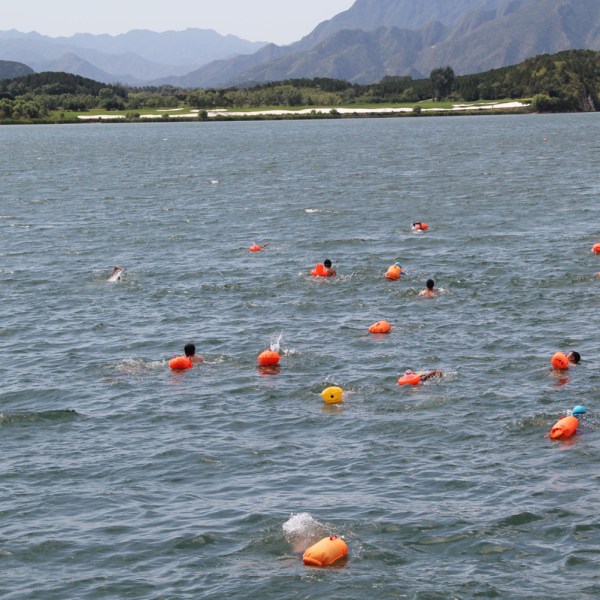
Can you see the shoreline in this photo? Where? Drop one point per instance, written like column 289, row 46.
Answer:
column 318, row 112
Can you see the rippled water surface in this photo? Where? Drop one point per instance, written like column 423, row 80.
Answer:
column 121, row 479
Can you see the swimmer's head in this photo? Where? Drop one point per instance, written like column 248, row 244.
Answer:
column 189, row 349
column 430, row 283
column 398, row 264
column 327, row 263
column 574, row 357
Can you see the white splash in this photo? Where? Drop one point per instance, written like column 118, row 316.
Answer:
column 303, row 530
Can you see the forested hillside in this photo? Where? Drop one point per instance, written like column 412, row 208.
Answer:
column 565, row 82
column 10, row 69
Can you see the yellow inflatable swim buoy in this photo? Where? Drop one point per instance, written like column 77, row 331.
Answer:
column 325, row 552
column 333, row 395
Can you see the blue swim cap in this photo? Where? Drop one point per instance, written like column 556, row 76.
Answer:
column 398, row 264
column 579, row 410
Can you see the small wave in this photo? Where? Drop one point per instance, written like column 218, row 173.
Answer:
column 34, row 417
column 134, row 366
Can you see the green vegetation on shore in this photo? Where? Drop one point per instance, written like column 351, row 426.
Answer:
column 565, row 82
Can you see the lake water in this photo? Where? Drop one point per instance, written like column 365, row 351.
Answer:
column 121, row 479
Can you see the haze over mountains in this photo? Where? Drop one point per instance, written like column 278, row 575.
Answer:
column 135, row 58
column 372, row 39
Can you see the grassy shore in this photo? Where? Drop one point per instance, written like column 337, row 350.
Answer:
column 189, row 113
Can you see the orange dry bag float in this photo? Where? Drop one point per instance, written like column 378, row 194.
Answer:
column 380, row 327
column 180, row 363
column 409, row 378
column 325, row 552
column 394, row 272
column 596, row 248
column 255, row 248
column 268, row 358
column 560, row 361
column 564, row 428
column 320, row 271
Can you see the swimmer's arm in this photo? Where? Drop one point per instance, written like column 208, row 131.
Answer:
column 431, row 374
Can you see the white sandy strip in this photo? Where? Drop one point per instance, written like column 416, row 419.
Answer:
column 362, row 111
column 96, row 117
column 307, row 111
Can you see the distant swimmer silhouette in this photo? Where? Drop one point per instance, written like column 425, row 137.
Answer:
column 323, row 269
column 116, row 274
column 429, row 291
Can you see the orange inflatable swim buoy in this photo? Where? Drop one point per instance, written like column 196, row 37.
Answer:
column 180, row 363
column 564, row 428
column 560, row 361
column 410, row 378
column 596, row 248
column 255, row 248
column 320, row 271
column 380, row 327
column 268, row 358
column 394, row 272
column 325, row 552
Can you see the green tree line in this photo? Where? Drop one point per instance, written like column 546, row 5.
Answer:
column 567, row 81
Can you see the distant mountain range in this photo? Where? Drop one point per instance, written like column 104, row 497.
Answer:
column 375, row 38
column 134, row 58
column 372, row 39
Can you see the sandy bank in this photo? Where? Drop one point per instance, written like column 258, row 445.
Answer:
column 221, row 112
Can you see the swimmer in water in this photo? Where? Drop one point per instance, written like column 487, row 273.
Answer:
column 418, row 225
column 116, row 274
column 257, row 247
column 425, row 376
column 428, row 292
column 190, row 352
column 573, row 357
column 329, row 272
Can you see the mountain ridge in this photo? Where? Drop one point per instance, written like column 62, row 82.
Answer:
column 499, row 33
column 370, row 40
column 136, row 57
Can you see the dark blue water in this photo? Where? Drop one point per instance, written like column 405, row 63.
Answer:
column 121, row 479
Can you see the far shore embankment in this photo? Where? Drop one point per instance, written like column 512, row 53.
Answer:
column 318, row 112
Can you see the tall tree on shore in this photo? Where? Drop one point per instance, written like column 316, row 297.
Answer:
column 442, row 82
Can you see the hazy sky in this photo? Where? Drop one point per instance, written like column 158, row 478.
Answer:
column 278, row 21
